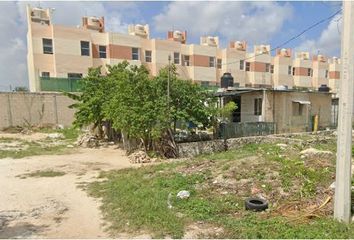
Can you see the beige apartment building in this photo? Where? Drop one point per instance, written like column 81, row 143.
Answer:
column 56, row 53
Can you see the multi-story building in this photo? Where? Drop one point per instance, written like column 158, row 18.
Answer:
column 58, row 53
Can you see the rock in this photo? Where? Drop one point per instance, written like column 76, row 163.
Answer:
column 139, row 157
column 88, row 141
column 183, row 194
column 69, row 146
column 281, row 145
column 312, row 152
column 56, row 136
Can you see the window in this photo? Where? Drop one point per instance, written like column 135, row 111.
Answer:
column 102, row 51
column 267, row 67
column 297, row 109
column 176, row 57
column 242, row 64
column 219, row 63
column 135, row 53
column 289, row 70
column 293, row 71
column 309, row 72
column 74, row 75
column 85, row 48
column 211, row 61
column 272, row 68
column 47, row 46
column 45, row 75
column 185, row 59
column 258, row 106
column 148, row 56
column 248, row 66
column 326, row 74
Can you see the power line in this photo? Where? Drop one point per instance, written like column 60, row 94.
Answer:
column 287, row 41
column 292, row 38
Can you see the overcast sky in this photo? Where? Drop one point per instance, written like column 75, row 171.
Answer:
column 255, row 22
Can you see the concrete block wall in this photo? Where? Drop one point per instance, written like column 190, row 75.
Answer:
column 19, row 109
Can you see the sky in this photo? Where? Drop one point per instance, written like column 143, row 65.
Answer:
column 255, row 22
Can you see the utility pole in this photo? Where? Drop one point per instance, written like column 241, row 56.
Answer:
column 342, row 199
column 168, row 82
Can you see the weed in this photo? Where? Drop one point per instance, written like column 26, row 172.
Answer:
column 136, row 199
column 44, row 173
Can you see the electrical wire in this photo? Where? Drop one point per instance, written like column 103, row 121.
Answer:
column 284, row 43
column 291, row 39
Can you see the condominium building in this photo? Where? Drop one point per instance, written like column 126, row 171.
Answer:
column 57, row 53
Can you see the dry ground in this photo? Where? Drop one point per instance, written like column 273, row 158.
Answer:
column 50, row 205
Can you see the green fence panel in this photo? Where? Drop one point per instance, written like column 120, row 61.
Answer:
column 60, row 84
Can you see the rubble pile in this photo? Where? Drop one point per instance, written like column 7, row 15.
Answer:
column 87, row 140
column 312, row 152
column 139, row 157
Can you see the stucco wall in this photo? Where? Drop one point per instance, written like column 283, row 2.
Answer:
column 18, row 109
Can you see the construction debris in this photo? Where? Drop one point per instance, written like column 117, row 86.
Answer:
column 139, row 157
column 56, row 136
column 88, row 141
column 183, row 194
column 312, row 152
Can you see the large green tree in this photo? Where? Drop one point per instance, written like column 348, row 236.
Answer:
column 89, row 105
column 136, row 104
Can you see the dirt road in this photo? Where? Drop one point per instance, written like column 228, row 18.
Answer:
column 54, row 207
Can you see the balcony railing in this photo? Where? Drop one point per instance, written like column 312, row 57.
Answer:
column 59, row 84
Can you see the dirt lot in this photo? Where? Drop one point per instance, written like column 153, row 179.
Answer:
column 53, row 206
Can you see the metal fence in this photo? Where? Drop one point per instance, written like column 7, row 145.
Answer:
column 244, row 129
column 60, row 84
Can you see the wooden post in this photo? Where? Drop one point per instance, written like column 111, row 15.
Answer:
column 342, row 201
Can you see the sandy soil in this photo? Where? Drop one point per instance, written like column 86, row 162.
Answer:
column 54, row 207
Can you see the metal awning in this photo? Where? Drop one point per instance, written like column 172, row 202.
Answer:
column 302, row 102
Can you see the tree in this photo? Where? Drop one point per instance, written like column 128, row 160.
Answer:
column 189, row 102
column 226, row 111
column 21, row 89
column 89, row 103
column 135, row 105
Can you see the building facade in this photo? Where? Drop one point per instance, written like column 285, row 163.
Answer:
column 289, row 110
column 56, row 53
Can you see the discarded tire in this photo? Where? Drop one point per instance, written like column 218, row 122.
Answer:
column 256, row 204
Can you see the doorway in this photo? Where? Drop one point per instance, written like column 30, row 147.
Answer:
column 236, row 114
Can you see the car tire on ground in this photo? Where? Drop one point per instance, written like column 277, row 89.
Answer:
column 256, row 204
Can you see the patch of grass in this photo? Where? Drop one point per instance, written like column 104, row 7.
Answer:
column 42, row 147
column 34, row 149
column 70, row 133
column 8, row 140
column 44, row 173
column 252, row 225
column 136, row 200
